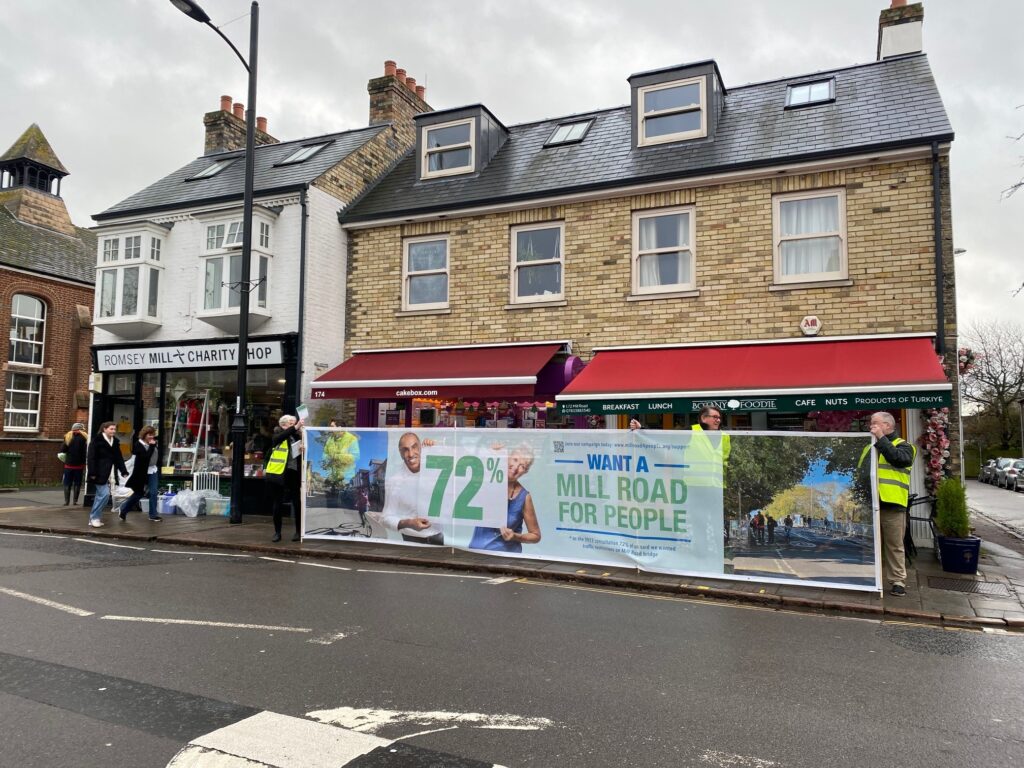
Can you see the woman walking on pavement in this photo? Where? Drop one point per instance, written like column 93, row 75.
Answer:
column 76, row 444
column 144, row 474
column 104, row 455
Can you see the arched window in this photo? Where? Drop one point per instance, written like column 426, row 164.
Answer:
column 28, row 330
column 24, row 389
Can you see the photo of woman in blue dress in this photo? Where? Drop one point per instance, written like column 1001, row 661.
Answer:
column 511, row 538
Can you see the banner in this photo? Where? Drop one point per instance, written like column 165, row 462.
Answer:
column 760, row 506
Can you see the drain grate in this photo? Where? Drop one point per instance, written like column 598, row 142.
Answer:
column 964, row 585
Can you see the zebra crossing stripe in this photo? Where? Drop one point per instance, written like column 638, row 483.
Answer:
column 271, row 740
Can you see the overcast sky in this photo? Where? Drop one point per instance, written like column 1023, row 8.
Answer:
column 119, row 87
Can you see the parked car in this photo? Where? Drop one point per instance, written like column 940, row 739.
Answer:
column 987, row 471
column 1014, row 477
column 999, row 478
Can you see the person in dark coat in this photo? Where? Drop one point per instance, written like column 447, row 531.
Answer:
column 283, row 473
column 144, row 474
column 103, row 456
column 76, row 445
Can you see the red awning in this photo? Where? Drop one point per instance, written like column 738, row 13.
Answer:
column 502, row 371
column 777, row 368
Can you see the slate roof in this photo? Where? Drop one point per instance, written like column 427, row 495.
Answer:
column 41, row 250
column 886, row 104
column 175, row 191
column 32, row 145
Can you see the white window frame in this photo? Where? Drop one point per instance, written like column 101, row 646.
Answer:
column 230, row 246
column 41, row 344
column 649, row 213
column 514, row 264
column 642, row 118
column 35, row 378
column 777, row 239
column 426, row 152
column 147, row 245
column 809, row 85
column 406, row 275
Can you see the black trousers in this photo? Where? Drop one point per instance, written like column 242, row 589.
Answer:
column 279, row 494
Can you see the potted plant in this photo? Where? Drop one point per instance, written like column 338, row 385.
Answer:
column 958, row 549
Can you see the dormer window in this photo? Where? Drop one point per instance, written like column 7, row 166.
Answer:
column 805, row 94
column 569, row 133
column 672, row 111
column 447, row 149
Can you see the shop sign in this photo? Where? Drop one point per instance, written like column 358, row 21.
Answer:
column 856, row 401
column 186, row 356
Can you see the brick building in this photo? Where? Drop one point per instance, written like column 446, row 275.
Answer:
column 46, row 287
column 168, row 262
column 781, row 249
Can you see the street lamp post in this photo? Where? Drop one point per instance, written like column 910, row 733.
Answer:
column 238, row 425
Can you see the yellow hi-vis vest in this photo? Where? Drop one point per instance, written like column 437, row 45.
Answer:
column 893, row 482
column 706, row 462
column 278, row 459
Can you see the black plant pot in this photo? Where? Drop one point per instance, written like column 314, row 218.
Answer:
column 959, row 555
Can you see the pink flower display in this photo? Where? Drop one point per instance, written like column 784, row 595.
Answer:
column 935, row 442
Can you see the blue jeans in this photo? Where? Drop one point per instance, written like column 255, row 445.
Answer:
column 99, row 501
column 152, row 486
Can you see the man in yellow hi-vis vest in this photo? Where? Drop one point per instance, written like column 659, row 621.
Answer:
column 282, row 472
column 895, row 457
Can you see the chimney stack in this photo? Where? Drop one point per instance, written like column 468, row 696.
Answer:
column 900, row 30
column 396, row 98
column 225, row 128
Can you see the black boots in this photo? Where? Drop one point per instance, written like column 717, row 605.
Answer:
column 67, row 495
column 78, row 490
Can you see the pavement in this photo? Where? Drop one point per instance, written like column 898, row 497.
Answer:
column 991, row 600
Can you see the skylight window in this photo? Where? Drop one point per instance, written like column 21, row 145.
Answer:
column 213, row 170
column 811, row 93
column 303, row 153
column 568, row 133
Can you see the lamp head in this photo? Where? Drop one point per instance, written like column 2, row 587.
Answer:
column 192, row 10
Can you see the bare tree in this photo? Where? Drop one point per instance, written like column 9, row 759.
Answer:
column 1015, row 187
column 996, row 381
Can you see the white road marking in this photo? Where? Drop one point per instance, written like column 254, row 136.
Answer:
column 324, row 565
column 36, row 535
column 277, row 560
column 193, row 756
column 107, row 544
column 330, row 638
column 190, row 553
column 283, row 742
column 726, row 760
column 198, row 623
column 48, row 603
column 501, row 580
column 424, row 573
column 372, row 720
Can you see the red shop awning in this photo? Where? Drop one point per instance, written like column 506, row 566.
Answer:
column 501, row 371
column 873, row 369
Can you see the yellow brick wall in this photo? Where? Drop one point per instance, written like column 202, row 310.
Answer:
column 889, row 243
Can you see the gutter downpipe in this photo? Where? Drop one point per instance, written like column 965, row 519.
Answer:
column 302, row 292
column 940, row 307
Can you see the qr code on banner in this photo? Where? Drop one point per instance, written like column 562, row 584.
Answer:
column 558, row 446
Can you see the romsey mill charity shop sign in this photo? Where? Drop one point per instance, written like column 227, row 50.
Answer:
column 184, row 356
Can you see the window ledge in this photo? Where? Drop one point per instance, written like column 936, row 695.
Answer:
column 673, row 295
column 535, row 304
column 810, row 284
column 127, row 327
column 31, row 370
column 228, row 320
column 418, row 312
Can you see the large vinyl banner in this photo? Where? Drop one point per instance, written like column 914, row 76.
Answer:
column 791, row 507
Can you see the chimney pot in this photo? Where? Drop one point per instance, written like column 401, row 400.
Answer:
column 261, row 124
column 225, row 103
column 400, row 74
column 421, row 91
column 239, row 110
column 898, row 3
column 389, row 68
column 410, row 83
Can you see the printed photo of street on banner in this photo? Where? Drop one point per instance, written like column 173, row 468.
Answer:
column 758, row 506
